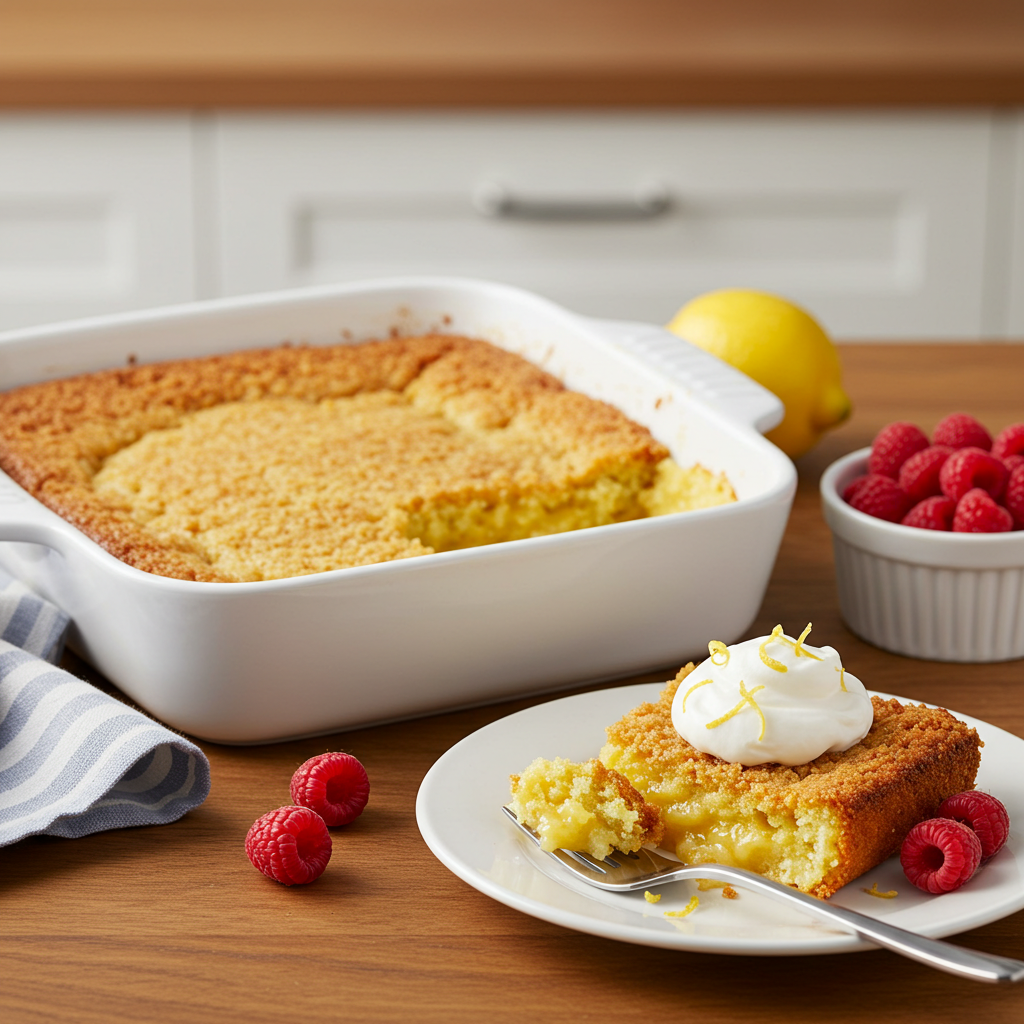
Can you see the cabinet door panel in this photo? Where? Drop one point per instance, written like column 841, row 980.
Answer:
column 96, row 215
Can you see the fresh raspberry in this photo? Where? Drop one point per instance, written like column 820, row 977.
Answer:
column 940, row 854
column 982, row 813
column 958, row 430
column 1009, row 442
column 334, row 785
column 968, row 468
column 976, row 512
column 919, row 475
column 290, row 845
column 881, row 497
column 935, row 513
column 893, row 446
column 852, row 488
column 1013, row 496
column 1011, row 462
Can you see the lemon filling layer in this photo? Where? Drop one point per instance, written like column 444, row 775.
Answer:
column 282, row 487
column 723, row 827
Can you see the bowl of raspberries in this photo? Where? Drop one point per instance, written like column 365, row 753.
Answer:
column 928, row 533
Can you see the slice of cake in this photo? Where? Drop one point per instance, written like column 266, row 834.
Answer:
column 283, row 462
column 584, row 807
column 816, row 825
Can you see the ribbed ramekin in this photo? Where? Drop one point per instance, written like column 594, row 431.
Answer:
column 923, row 593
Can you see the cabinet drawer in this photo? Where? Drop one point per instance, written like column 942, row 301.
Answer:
column 874, row 222
column 95, row 215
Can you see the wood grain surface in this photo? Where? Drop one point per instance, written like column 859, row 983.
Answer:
column 533, row 53
column 172, row 923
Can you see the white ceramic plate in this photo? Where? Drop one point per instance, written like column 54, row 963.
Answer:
column 458, row 811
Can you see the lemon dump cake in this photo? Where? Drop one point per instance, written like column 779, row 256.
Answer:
column 875, row 767
column 815, row 826
column 583, row 807
column 283, row 462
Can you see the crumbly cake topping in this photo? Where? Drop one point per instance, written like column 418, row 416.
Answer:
column 899, row 733
column 287, row 461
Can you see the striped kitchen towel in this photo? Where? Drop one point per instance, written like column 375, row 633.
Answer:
column 73, row 760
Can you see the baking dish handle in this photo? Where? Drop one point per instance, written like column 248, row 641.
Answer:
column 25, row 520
column 703, row 375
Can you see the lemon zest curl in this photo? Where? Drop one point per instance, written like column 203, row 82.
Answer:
column 766, row 657
column 688, row 909
column 717, row 647
column 748, row 698
column 696, row 686
column 875, row 891
column 780, row 637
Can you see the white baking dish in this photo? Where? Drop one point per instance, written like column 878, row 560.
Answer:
column 250, row 662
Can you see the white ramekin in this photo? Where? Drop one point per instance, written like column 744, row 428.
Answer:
column 923, row 593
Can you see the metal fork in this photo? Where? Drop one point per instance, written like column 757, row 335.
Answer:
column 645, row 868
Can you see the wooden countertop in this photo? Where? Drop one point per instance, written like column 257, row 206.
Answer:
column 172, row 923
column 502, row 53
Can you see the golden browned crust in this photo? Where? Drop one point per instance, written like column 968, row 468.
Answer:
column 912, row 758
column 649, row 824
column 56, row 436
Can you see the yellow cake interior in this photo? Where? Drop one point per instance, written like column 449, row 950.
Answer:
column 584, row 807
column 284, row 487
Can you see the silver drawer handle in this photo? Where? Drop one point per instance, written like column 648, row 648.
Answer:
column 492, row 199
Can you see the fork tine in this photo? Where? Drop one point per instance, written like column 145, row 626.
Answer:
column 586, row 861
column 593, row 863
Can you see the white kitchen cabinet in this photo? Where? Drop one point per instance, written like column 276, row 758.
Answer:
column 885, row 225
column 876, row 222
column 96, row 215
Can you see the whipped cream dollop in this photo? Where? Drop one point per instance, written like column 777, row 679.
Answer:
column 773, row 699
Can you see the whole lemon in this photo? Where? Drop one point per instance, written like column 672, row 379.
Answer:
column 781, row 347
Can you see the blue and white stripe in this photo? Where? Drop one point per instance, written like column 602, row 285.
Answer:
column 73, row 760
column 29, row 622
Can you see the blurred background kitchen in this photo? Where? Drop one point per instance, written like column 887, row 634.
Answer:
column 865, row 159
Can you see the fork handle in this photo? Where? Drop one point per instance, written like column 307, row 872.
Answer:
column 966, row 963
column 945, row 956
